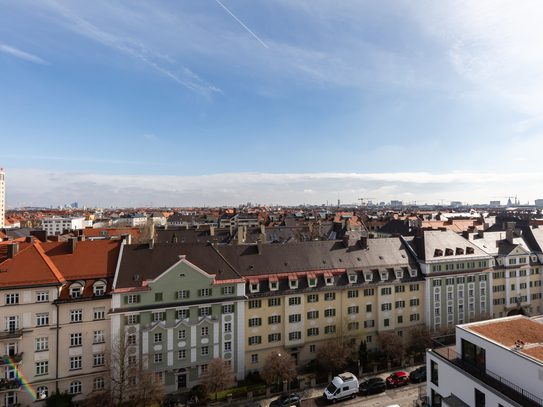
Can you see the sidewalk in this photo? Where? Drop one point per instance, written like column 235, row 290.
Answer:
column 310, row 393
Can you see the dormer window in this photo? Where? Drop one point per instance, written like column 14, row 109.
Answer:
column 384, row 275
column 312, row 282
column 368, row 276
column 399, row 274
column 75, row 292
column 293, row 283
column 254, row 287
column 470, row 250
column 352, row 278
column 449, row 252
column 459, row 251
column 438, row 253
column 329, row 280
column 274, row 286
column 413, row 273
column 99, row 290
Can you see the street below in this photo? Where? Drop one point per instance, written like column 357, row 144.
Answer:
column 403, row 396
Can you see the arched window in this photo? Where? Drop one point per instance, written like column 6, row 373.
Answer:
column 42, row 392
column 75, row 387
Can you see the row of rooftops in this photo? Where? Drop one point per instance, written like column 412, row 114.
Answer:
column 28, row 261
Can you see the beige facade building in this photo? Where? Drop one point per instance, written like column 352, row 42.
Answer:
column 54, row 301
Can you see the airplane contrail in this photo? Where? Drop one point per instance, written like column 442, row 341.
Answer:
column 241, row 23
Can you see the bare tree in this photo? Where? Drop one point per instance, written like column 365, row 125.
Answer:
column 277, row 366
column 392, row 345
column 421, row 337
column 127, row 379
column 219, row 376
column 444, row 330
column 332, row 355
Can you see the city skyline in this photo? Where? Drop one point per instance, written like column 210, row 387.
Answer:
column 216, row 103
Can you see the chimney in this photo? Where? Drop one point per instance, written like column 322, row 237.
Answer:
column 13, row 249
column 151, row 243
column 281, row 239
column 212, row 230
column 81, row 238
column 30, row 239
column 240, row 235
column 346, row 240
column 364, row 242
column 71, row 245
column 481, row 233
column 262, row 228
column 420, row 232
column 509, row 235
column 465, row 234
column 263, row 238
column 215, row 242
column 41, row 235
column 259, row 246
column 230, row 229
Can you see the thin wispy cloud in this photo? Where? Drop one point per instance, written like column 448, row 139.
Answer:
column 22, row 55
column 150, row 137
column 156, row 60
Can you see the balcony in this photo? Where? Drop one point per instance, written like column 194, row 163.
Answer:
column 7, row 385
column 15, row 359
column 11, row 334
column 445, row 347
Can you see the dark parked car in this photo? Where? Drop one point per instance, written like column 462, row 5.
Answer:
column 371, row 386
column 397, row 379
column 283, row 400
column 418, row 375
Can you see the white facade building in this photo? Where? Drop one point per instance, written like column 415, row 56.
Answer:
column 483, row 366
column 56, row 225
column 2, row 198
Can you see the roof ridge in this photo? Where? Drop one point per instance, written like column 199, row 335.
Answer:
column 49, row 262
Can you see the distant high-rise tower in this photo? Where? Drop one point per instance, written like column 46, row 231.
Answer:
column 2, row 197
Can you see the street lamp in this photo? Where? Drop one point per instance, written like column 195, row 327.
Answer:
column 279, row 355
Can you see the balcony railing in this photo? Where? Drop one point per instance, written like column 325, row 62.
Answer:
column 14, row 384
column 445, row 347
column 11, row 334
column 15, row 359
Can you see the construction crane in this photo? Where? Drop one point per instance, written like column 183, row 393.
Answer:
column 362, row 201
column 508, row 197
column 23, row 204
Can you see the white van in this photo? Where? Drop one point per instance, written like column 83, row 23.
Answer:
column 344, row 385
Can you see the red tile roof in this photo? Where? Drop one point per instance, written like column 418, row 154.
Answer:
column 91, row 259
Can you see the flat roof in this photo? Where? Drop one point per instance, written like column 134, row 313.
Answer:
column 507, row 331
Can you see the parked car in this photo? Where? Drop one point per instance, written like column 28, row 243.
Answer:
column 371, row 386
column 397, row 379
column 342, row 386
column 283, row 400
column 418, row 375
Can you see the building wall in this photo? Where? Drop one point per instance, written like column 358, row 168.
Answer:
column 185, row 345
column 2, row 199
column 337, row 308
column 452, row 380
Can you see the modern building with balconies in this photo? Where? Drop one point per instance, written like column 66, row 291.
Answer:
column 489, row 363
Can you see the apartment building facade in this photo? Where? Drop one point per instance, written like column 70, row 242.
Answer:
column 458, row 277
column 302, row 294
column 178, row 316
column 54, row 304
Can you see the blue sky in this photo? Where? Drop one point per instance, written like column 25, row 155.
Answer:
column 181, row 103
